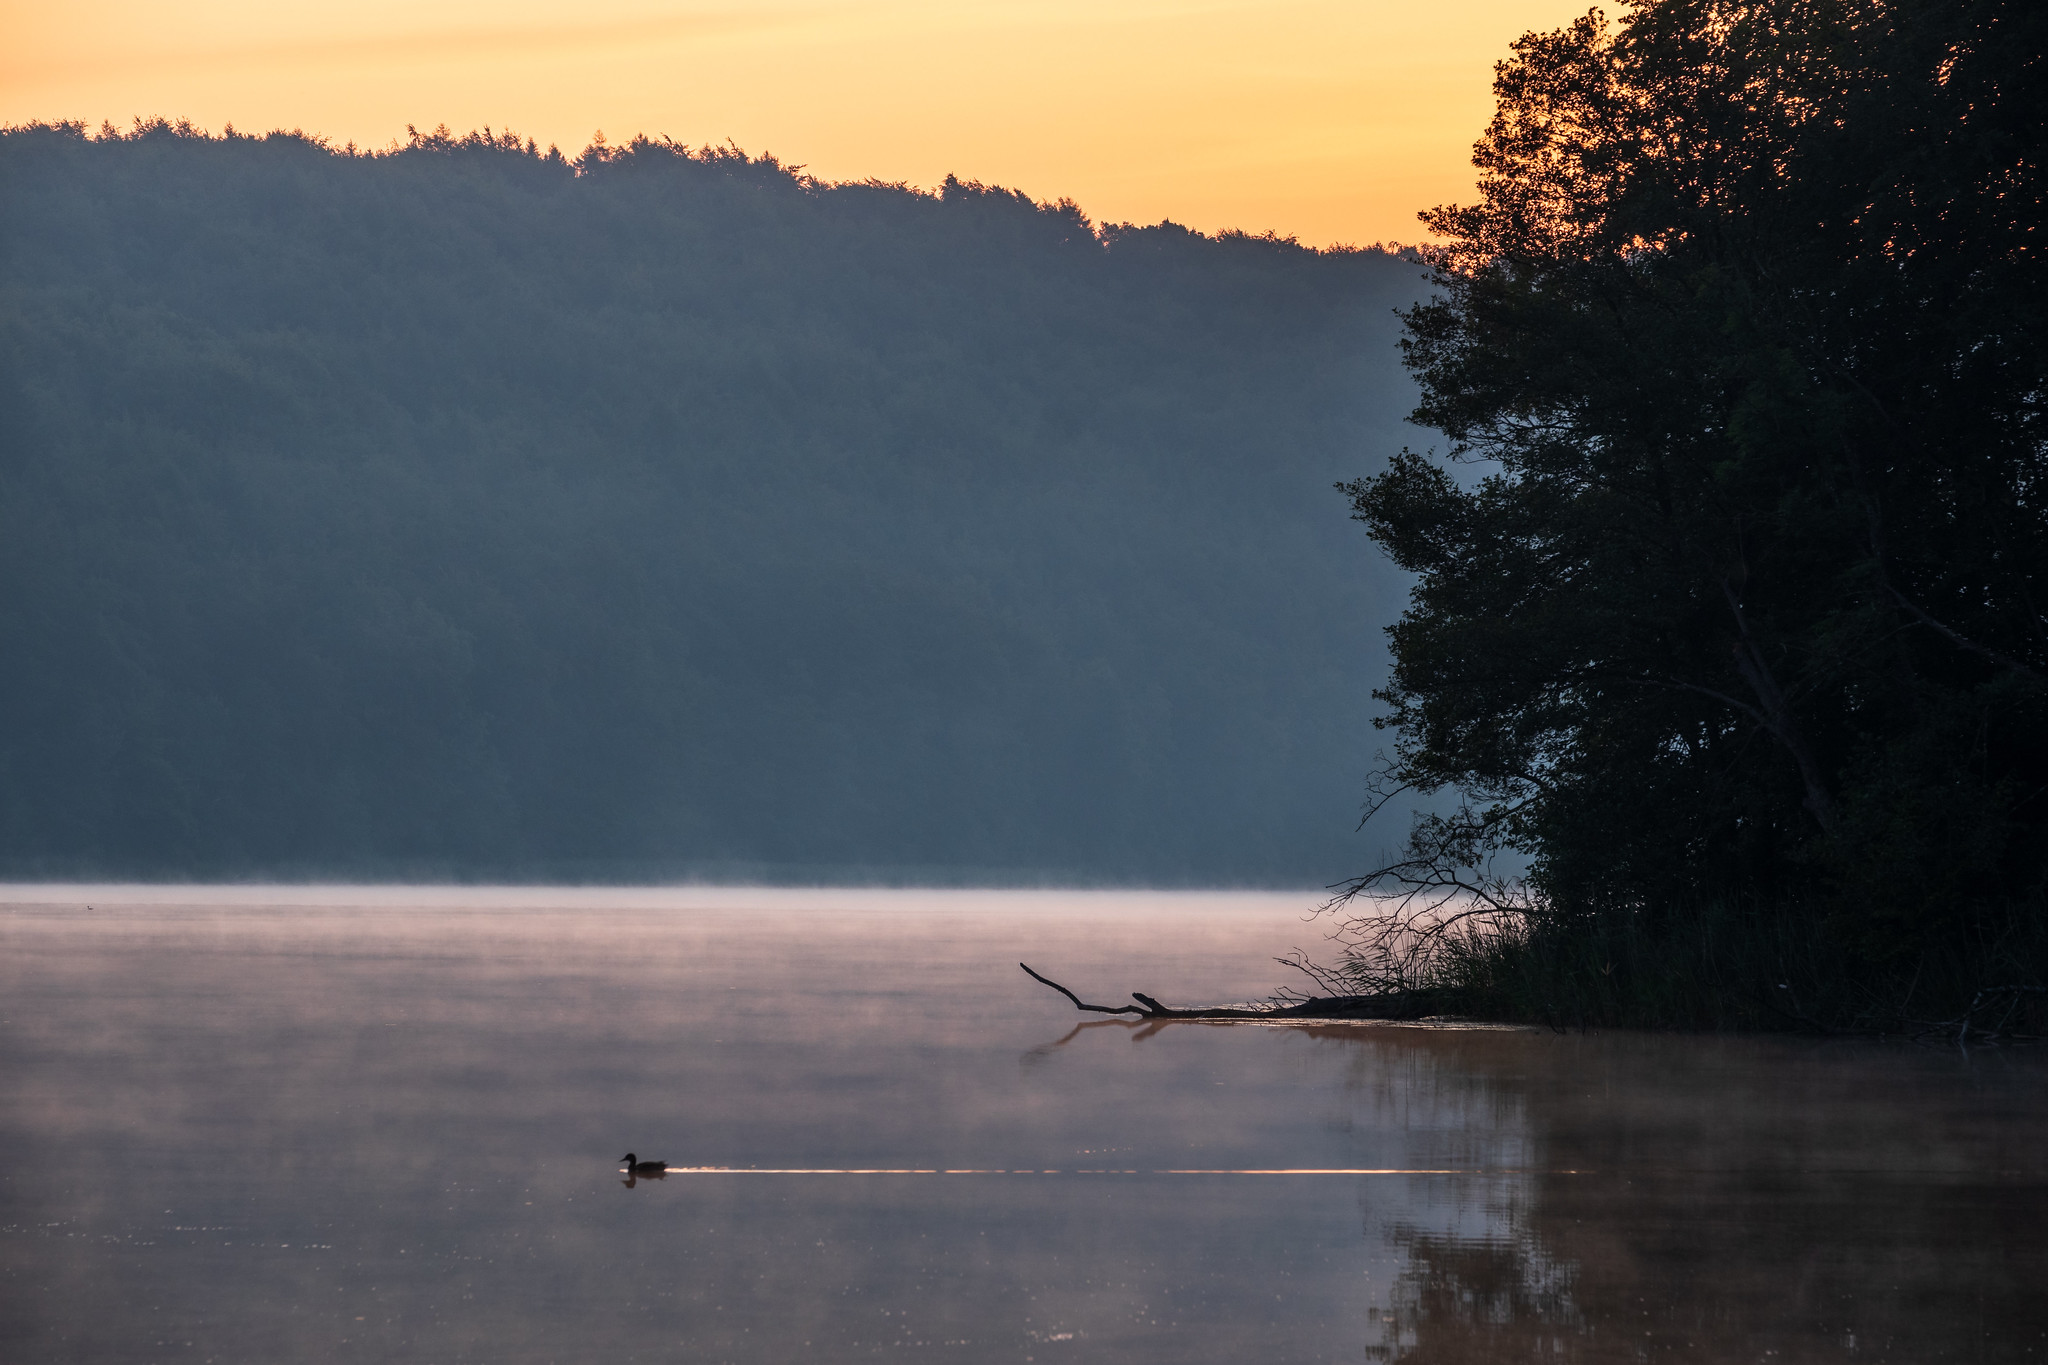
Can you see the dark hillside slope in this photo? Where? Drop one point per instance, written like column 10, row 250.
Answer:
column 465, row 511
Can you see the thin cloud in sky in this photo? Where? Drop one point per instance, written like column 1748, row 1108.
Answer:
column 463, row 42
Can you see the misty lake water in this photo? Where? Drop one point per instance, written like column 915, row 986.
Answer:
column 260, row 1124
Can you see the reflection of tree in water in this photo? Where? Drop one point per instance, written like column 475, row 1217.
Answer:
column 1706, row 1199
column 1478, row 1282
column 1494, row 1298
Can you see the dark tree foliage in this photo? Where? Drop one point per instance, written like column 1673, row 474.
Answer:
column 1747, row 327
column 469, row 510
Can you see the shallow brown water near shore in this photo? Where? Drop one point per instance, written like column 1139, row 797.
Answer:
column 260, row 1125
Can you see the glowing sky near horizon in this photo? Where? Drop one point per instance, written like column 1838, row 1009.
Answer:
column 1331, row 121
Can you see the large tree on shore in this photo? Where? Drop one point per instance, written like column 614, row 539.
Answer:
column 1746, row 334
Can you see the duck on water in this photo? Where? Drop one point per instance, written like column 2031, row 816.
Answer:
column 635, row 1166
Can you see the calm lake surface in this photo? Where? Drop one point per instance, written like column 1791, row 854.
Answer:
column 269, row 1124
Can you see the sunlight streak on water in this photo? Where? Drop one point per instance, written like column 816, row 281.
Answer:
column 1301, row 1170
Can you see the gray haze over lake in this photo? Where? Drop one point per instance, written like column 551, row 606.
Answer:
column 461, row 514
column 258, row 1124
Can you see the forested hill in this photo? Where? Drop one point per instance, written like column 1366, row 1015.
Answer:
column 469, row 511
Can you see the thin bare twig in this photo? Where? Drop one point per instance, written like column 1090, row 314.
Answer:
column 1079, row 1004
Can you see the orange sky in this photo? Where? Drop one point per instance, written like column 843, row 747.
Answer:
column 1332, row 121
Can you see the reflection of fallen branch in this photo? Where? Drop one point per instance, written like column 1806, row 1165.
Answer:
column 1382, row 1005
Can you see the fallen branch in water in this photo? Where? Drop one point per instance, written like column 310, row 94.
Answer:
column 1967, row 1026
column 1385, row 1005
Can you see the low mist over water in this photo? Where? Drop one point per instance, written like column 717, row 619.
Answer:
column 365, row 1124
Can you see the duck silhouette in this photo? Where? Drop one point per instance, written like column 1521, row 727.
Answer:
column 635, row 1166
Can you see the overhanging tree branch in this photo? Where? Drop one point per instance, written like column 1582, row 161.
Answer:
column 1963, row 642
